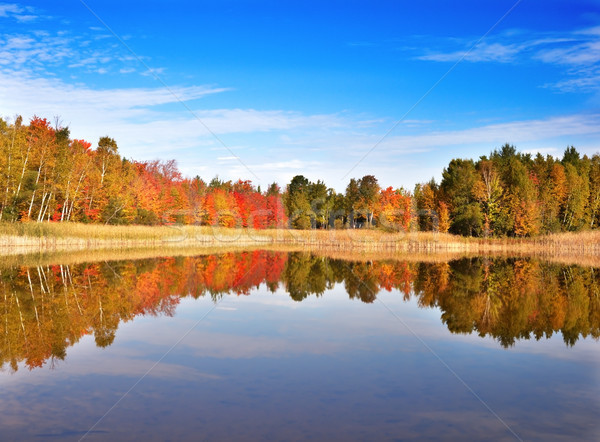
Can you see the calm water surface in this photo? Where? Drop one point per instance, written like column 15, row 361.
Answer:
column 276, row 346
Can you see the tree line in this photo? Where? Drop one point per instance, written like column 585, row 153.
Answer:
column 507, row 193
column 47, row 176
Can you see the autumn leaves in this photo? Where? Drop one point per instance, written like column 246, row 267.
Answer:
column 47, row 176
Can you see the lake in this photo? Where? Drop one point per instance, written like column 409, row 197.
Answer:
column 287, row 346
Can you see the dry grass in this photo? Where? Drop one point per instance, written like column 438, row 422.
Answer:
column 134, row 253
column 22, row 238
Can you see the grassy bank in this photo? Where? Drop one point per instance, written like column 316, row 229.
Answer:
column 136, row 253
column 21, row 238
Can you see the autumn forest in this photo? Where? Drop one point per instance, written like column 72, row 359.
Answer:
column 47, row 176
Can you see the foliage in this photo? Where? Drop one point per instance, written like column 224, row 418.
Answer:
column 46, row 176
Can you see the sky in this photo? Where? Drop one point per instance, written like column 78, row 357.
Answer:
column 265, row 90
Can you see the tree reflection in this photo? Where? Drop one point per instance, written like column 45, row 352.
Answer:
column 44, row 310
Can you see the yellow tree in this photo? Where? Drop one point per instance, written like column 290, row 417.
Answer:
column 523, row 199
column 106, row 161
column 558, row 192
column 577, row 196
column 594, row 201
column 425, row 201
column 444, row 220
column 75, row 181
column 42, row 139
column 488, row 191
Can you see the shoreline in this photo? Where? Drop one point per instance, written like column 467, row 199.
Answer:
column 33, row 239
column 139, row 253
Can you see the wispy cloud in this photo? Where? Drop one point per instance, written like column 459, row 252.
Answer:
column 29, row 91
column 516, row 132
column 224, row 121
column 543, row 151
column 583, row 79
column 145, row 129
column 33, row 52
column 498, row 52
column 578, row 52
column 510, row 47
column 54, row 52
column 404, row 160
column 17, row 12
column 7, row 9
column 26, row 17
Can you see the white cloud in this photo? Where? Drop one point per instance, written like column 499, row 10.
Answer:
column 586, row 53
column 19, row 13
column 281, row 171
column 404, row 160
column 222, row 121
column 578, row 51
column 49, row 53
column 578, row 80
column 482, row 53
column 26, row 18
column 46, row 94
column 129, row 115
column 415, row 122
column 544, row 151
column 19, row 51
column 574, row 47
column 516, row 132
column 6, row 9
column 153, row 72
column 144, row 130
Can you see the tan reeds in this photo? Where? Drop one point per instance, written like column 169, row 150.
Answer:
column 22, row 238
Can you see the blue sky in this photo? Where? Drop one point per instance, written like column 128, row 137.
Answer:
column 267, row 90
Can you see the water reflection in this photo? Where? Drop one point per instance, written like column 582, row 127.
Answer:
column 44, row 310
